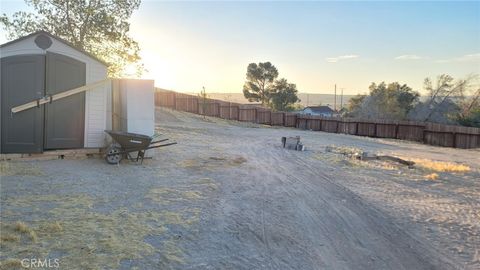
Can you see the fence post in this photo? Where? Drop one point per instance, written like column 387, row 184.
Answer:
column 336, row 130
column 454, row 139
column 175, row 101
column 396, row 130
column 238, row 112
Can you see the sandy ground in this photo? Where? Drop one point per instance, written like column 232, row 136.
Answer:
column 229, row 197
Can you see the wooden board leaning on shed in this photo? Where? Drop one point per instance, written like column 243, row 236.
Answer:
column 51, row 98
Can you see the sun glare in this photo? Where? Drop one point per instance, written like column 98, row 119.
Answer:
column 131, row 71
column 161, row 69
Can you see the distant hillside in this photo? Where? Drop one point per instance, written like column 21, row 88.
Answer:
column 306, row 99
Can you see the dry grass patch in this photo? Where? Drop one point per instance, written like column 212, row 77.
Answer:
column 164, row 195
column 53, row 227
column 24, row 229
column 21, row 227
column 172, row 253
column 212, row 163
column 197, row 190
column 440, row 166
column 345, row 158
column 6, row 237
column 89, row 239
column 18, row 168
column 344, row 150
column 11, row 264
column 432, row 176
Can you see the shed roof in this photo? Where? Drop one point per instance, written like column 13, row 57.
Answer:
column 57, row 38
column 320, row 109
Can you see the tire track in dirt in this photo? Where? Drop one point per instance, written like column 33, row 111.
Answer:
column 400, row 250
column 285, row 210
column 414, row 242
column 264, row 232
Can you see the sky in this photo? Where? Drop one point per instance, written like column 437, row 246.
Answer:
column 188, row 45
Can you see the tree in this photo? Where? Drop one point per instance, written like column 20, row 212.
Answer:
column 472, row 119
column 449, row 100
column 260, row 78
column 392, row 101
column 99, row 27
column 444, row 114
column 445, row 89
column 354, row 105
column 283, row 95
column 469, row 104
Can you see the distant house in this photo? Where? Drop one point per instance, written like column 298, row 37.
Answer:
column 319, row 110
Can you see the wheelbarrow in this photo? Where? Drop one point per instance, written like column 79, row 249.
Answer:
column 125, row 143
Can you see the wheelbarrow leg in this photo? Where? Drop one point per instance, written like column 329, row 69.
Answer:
column 141, row 154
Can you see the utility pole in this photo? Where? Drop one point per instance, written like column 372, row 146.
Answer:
column 335, row 102
column 341, row 99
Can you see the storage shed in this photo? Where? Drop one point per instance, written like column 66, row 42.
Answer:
column 40, row 65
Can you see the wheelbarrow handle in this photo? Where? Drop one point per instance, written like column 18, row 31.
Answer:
column 159, row 141
column 161, row 145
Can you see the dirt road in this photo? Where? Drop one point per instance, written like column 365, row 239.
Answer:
column 229, row 197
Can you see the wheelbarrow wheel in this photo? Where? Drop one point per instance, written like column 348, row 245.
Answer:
column 113, row 155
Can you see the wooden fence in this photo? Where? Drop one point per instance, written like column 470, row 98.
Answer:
column 428, row 133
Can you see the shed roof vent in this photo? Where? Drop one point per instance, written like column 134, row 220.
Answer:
column 43, row 42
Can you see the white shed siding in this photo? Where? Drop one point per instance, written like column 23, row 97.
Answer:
column 25, row 46
column 96, row 108
column 95, row 100
column 138, row 108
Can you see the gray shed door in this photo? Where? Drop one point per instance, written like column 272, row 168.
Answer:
column 64, row 118
column 22, row 80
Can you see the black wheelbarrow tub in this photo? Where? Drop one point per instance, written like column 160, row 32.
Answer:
column 130, row 140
